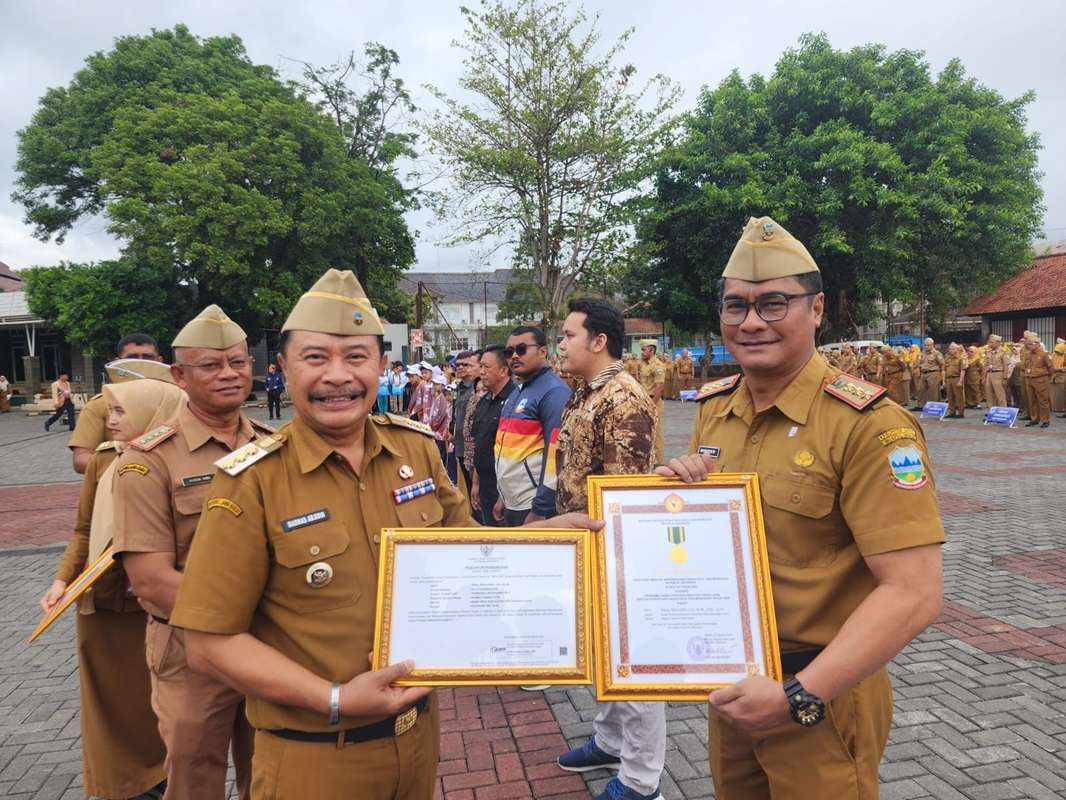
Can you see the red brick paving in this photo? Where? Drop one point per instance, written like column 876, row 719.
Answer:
column 951, row 503
column 994, row 636
column 1044, row 566
column 1014, row 472
column 38, row 514
column 500, row 743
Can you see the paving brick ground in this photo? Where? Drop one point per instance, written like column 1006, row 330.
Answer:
column 980, row 697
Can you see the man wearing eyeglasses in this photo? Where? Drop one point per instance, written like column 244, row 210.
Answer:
column 161, row 482
column 852, row 585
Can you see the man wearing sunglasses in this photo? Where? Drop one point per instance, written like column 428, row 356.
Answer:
column 161, row 482
column 529, row 426
column 852, row 585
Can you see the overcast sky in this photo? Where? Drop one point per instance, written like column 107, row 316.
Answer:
column 1010, row 46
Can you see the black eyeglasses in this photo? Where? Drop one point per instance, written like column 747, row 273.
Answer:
column 772, row 307
column 517, row 350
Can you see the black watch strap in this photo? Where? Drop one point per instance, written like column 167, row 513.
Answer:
column 806, row 709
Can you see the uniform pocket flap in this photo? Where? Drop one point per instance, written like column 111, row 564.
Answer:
column 805, row 499
column 423, row 512
column 314, row 543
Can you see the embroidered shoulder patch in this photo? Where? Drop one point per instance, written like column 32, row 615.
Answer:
column 243, row 457
column 149, row 440
column 404, row 422
column 223, row 502
column 857, row 393
column 140, row 469
column 720, row 386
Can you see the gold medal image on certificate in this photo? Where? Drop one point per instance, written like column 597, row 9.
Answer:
column 483, row 606
column 682, row 601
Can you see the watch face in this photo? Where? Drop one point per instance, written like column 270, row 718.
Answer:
column 809, row 713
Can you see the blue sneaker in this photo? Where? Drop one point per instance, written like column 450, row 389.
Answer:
column 588, row 757
column 616, row 790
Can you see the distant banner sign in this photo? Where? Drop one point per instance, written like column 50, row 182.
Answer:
column 416, row 337
column 688, row 394
column 1001, row 415
column 934, row 409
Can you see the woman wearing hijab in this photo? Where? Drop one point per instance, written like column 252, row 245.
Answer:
column 122, row 753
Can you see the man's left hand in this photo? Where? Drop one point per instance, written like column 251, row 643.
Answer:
column 754, row 704
column 571, row 519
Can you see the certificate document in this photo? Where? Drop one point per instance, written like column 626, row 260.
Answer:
column 683, row 599
column 479, row 607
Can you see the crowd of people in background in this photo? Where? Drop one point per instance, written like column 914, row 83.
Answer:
column 1022, row 375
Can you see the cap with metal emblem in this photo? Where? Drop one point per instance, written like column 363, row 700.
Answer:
column 766, row 251
column 210, row 328
column 336, row 304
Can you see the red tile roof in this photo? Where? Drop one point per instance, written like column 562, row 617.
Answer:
column 9, row 279
column 638, row 325
column 1040, row 285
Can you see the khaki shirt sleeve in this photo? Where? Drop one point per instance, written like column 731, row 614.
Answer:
column 660, row 375
column 72, row 564
column 229, row 563
column 143, row 519
column 91, row 428
column 869, row 484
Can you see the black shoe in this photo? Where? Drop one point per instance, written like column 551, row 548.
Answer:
column 1044, row 424
column 47, row 425
column 1031, row 423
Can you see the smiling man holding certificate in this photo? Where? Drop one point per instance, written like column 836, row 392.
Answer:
column 852, row 585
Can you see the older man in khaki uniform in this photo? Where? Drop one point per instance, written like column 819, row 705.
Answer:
column 160, row 484
column 1058, row 378
column 279, row 594
column 931, row 373
column 850, row 588
column 652, row 376
column 686, row 370
column 996, row 361
column 954, row 381
column 1037, row 372
column 891, row 373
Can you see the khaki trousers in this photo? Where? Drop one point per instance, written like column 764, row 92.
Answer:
column 995, row 389
column 895, row 389
column 929, row 388
column 906, row 384
column 1058, row 392
column 837, row 759
column 956, row 395
column 199, row 718
column 1039, row 397
column 403, row 767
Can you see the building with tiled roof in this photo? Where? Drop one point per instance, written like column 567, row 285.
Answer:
column 1034, row 299
column 9, row 279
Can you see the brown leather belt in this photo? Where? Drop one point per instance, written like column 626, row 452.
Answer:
column 395, row 725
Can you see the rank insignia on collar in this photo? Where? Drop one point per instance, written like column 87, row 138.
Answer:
column 403, row 422
column 153, row 437
column 720, row 386
column 857, row 393
column 413, row 490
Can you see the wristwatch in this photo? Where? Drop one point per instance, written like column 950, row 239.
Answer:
column 805, row 708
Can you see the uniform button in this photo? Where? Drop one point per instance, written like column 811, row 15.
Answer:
column 795, row 498
column 377, row 538
column 755, row 439
column 362, row 487
column 315, row 549
column 425, row 516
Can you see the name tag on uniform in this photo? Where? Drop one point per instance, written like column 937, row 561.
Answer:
column 709, row 450
column 196, row 480
column 302, row 521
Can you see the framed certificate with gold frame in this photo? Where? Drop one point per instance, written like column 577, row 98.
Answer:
column 485, row 606
column 682, row 601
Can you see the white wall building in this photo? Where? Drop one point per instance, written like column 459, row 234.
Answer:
column 464, row 305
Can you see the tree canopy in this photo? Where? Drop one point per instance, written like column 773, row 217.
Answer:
column 904, row 186
column 215, row 174
column 553, row 146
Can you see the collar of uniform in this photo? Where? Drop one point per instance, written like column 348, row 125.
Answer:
column 522, row 384
column 197, row 434
column 605, row 375
column 794, row 401
column 312, row 449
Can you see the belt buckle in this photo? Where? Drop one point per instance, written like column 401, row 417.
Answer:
column 405, row 721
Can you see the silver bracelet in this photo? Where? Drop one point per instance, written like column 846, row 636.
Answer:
column 335, row 704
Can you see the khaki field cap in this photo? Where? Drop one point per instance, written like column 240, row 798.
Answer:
column 766, row 251
column 131, row 369
column 210, row 328
column 649, row 343
column 336, row 304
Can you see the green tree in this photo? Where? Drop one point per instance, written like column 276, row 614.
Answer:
column 554, row 145
column 214, row 173
column 903, row 185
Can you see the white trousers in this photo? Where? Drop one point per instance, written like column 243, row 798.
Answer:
column 636, row 733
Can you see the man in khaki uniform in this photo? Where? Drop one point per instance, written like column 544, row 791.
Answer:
column 954, row 381
column 931, row 374
column 160, row 484
column 279, row 593
column 850, row 589
column 870, row 365
column 891, row 373
column 1058, row 379
column 849, row 362
column 670, row 386
column 686, row 370
column 1037, row 372
column 91, row 429
column 975, row 377
column 652, row 377
column 996, row 362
